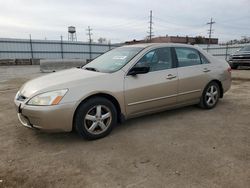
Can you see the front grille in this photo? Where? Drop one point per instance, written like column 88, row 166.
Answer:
column 241, row 57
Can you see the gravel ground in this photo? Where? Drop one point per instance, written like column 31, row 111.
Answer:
column 187, row 147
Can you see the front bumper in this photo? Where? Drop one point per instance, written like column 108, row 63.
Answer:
column 55, row 118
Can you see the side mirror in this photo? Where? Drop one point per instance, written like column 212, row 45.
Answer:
column 138, row 70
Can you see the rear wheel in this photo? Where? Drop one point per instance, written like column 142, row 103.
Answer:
column 210, row 96
column 95, row 118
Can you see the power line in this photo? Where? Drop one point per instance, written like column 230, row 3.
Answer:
column 233, row 26
column 177, row 25
column 210, row 31
column 131, row 22
column 235, row 19
column 130, row 26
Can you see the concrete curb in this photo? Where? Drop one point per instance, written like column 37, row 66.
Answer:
column 60, row 64
column 9, row 62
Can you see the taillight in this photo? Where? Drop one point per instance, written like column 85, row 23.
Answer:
column 229, row 69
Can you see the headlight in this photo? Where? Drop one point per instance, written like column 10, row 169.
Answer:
column 49, row 98
column 17, row 94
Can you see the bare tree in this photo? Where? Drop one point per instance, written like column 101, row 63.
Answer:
column 102, row 40
column 244, row 39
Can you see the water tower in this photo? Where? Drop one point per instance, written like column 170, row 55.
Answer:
column 72, row 33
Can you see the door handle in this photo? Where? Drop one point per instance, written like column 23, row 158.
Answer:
column 206, row 70
column 170, row 76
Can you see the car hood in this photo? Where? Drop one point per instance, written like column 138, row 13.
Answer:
column 59, row 80
column 241, row 53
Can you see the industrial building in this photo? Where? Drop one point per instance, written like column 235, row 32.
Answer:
column 177, row 39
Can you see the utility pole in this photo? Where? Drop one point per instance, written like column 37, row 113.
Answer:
column 150, row 26
column 210, row 31
column 90, row 41
column 89, row 34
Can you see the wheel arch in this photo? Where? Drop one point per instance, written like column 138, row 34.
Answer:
column 120, row 116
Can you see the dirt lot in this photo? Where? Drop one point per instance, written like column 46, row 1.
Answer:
column 188, row 147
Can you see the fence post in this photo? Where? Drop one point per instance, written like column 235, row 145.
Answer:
column 109, row 45
column 207, row 47
column 226, row 51
column 62, row 46
column 90, row 50
column 31, row 48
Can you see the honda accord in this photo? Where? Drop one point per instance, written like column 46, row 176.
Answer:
column 123, row 83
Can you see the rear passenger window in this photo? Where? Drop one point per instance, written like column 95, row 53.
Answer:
column 203, row 59
column 187, row 56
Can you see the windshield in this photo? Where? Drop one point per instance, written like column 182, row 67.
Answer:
column 246, row 48
column 113, row 60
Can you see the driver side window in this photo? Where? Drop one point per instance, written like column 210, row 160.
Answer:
column 158, row 59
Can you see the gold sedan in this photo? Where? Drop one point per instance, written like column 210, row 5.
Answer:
column 123, row 83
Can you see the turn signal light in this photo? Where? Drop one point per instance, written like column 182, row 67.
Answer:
column 57, row 100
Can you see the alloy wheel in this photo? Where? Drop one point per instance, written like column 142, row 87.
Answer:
column 212, row 95
column 98, row 119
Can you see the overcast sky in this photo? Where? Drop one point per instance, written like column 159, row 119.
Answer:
column 120, row 21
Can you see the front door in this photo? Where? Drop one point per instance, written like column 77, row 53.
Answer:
column 154, row 90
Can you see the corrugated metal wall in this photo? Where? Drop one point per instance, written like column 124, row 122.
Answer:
column 50, row 49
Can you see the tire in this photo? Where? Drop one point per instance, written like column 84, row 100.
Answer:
column 95, row 118
column 233, row 66
column 212, row 91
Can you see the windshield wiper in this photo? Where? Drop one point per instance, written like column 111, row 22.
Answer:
column 91, row 69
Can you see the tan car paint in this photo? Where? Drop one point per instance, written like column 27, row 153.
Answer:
column 136, row 95
column 191, row 82
column 150, row 91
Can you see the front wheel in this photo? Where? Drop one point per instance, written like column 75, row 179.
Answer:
column 95, row 118
column 210, row 96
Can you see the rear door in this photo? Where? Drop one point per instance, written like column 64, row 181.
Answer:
column 156, row 89
column 193, row 74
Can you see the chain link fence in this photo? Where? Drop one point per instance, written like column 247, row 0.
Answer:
column 222, row 51
column 56, row 49
column 51, row 49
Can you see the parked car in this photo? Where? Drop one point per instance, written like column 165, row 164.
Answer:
column 240, row 58
column 123, row 83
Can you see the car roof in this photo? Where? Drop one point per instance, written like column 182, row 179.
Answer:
column 146, row 45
